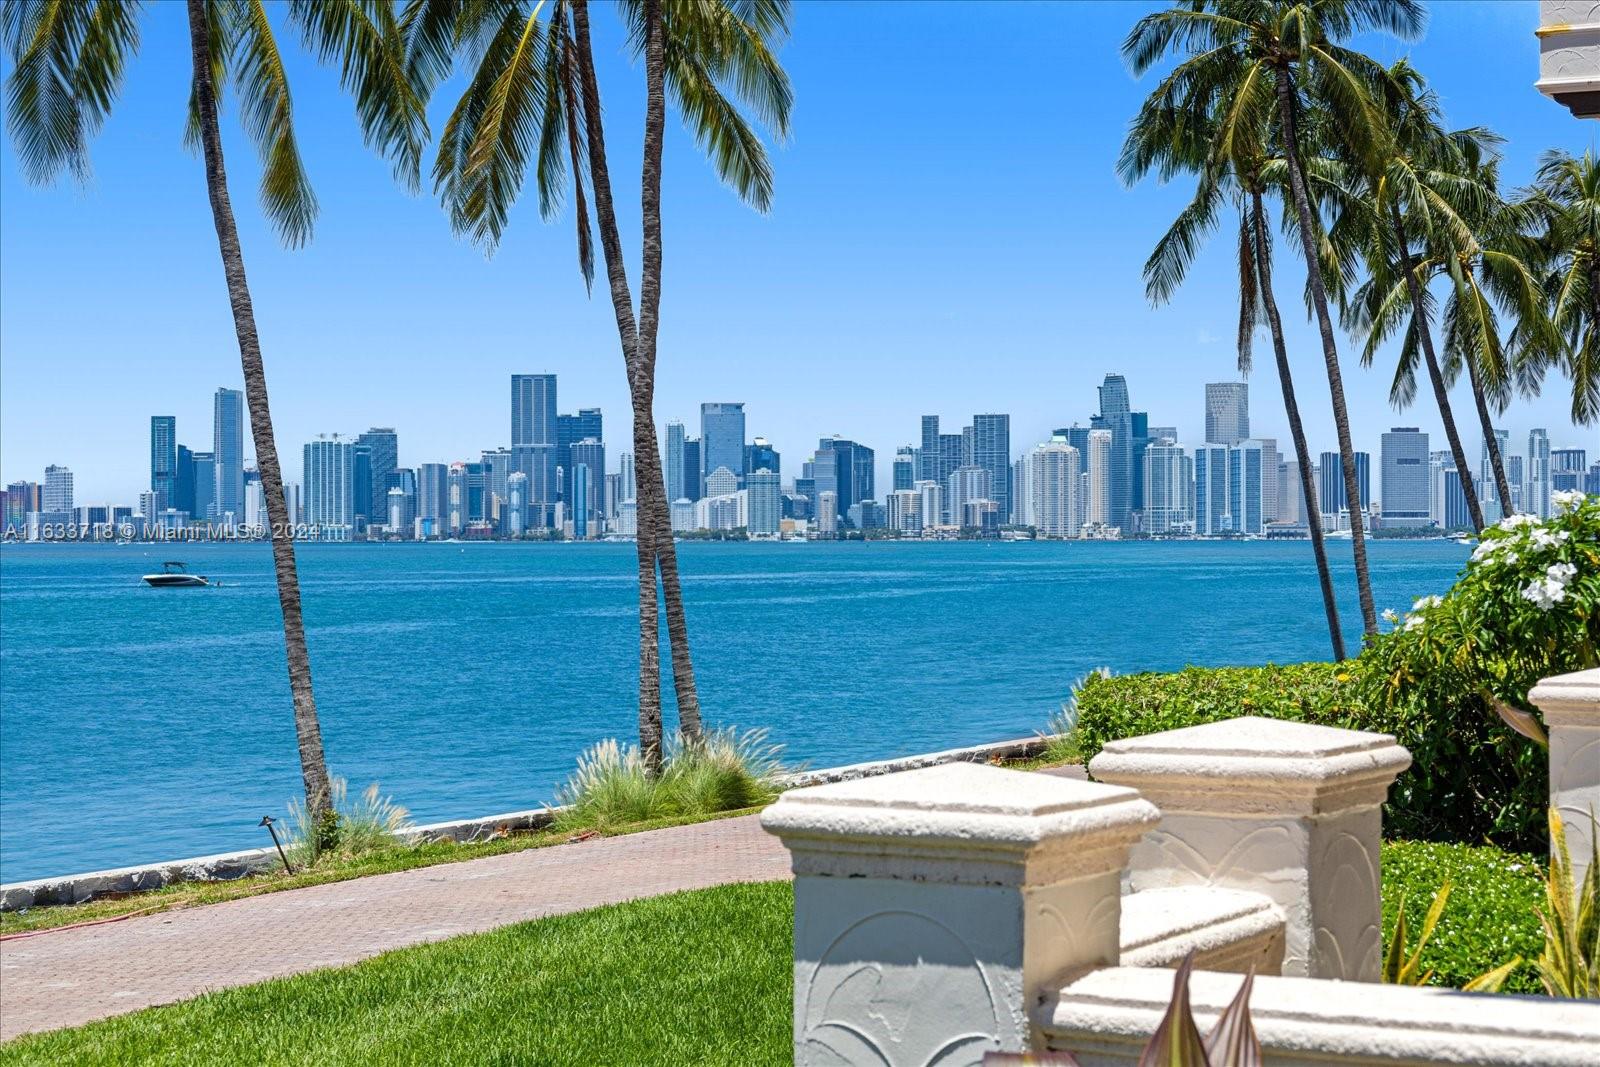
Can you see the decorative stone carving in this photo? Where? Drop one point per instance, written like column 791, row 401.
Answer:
column 1571, row 707
column 1284, row 809
column 934, row 908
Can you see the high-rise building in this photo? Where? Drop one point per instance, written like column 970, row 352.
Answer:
column 1536, row 486
column 570, row 429
column 1491, row 486
column 1169, row 489
column 533, row 410
column 905, row 468
column 932, row 494
column 361, row 488
column 991, row 450
column 827, row 513
column 203, row 479
column 1567, row 467
column 164, row 458
column 227, row 446
column 1128, row 430
column 846, row 468
column 722, row 482
column 1403, row 477
column 1227, row 412
column 1212, row 514
column 433, row 499
column 722, row 438
column 1053, row 478
column 1514, row 480
column 765, row 502
column 627, row 484
column 967, row 484
column 383, row 448
column 674, row 462
column 329, row 480
column 514, row 516
column 56, row 497
column 1097, row 510
column 579, row 499
column 1291, row 494
column 760, row 455
column 1252, row 484
column 694, row 482
column 928, row 456
column 21, row 498
column 1021, row 491
column 590, row 452
column 1330, row 474
column 903, row 512
column 1447, row 499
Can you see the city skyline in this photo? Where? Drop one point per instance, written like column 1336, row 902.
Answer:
column 811, row 315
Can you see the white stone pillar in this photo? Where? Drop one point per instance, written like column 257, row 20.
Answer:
column 935, row 908
column 1284, row 809
column 1571, row 707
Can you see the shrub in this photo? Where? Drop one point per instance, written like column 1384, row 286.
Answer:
column 1453, row 675
column 347, row 830
column 725, row 771
column 1489, row 920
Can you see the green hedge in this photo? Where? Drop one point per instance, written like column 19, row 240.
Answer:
column 1471, row 778
column 1489, row 918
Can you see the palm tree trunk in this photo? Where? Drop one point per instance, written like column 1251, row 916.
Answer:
column 1491, row 444
column 1441, row 395
column 666, row 552
column 640, row 390
column 1291, row 407
column 1330, row 352
column 308, row 732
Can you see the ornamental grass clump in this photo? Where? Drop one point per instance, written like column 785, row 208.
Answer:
column 370, row 824
column 723, row 771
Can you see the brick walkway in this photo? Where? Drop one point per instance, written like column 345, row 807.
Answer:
column 76, row 976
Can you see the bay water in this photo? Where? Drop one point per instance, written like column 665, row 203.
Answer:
column 141, row 724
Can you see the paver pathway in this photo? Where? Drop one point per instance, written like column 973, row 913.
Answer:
column 68, row 977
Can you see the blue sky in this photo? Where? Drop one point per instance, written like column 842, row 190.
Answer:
column 948, row 237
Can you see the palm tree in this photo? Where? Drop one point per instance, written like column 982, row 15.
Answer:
column 68, row 60
column 1166, row 138
column 1256, row 61
column 1566, row 193
column 532, row 91
column 1413, row 189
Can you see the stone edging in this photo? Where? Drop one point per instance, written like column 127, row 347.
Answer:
column 224, row 866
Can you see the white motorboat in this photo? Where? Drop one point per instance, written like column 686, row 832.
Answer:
column 175, row 576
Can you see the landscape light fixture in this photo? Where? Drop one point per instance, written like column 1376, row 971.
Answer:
column 267, row 820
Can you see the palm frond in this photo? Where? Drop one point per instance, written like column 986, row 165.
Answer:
column 266, row 111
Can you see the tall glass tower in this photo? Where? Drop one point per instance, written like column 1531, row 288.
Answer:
column 533, row 409
column 1227, row 412
column 227, row 448
column 164, row 459
column 991, row 450
column 722, row 438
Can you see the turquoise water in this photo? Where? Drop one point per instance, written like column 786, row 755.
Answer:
column 140, row 724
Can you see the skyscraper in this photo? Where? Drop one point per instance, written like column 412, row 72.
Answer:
column 693, row 479
column 905, row 468
column 760, row 455
column 1211, row 503
column 991, row 450
column 329, row 479
column 587, row 424
column 589, row 452
column 227, row 446
column 56, row 496
column 1117, row 418
column 847, row 469
column 1053, row 479
column 533, row 409
column 967, row 485
column 1252, row 485
column 203, row 478
column 1536, row 494
column 765, row 502
column 1227, row 412
column 1098, row 507
column 579, row 498
column 1330, row 472
column 383, row 446
column 675, row 482
column 433, row 498
column 1168, row 478
column 928, row 457
column 164, row 458
column 722, row 438
column 1491, row 485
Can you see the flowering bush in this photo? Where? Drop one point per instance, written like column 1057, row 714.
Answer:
column 1527, row 605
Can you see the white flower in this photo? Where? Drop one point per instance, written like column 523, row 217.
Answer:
column 1390, row 615
column 1424, row 603
column 1511, row 522
column 1542, row 537
column 1561, row 573
column 1414, row 621
column 1566, row 500
column 1545, row 593
column 1485, row 551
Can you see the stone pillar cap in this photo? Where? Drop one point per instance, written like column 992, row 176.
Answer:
column 1569, row 699
column 961, row 811
column 1253, row 764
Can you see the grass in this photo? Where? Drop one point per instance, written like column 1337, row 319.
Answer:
column 1489, row 918
column 383, row 861
column 702, row 977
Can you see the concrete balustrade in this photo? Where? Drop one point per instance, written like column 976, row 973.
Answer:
column 935, row 909
column 1287, row 810
column 1570, row 704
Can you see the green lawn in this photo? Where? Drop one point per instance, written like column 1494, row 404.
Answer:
column 693, row 978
